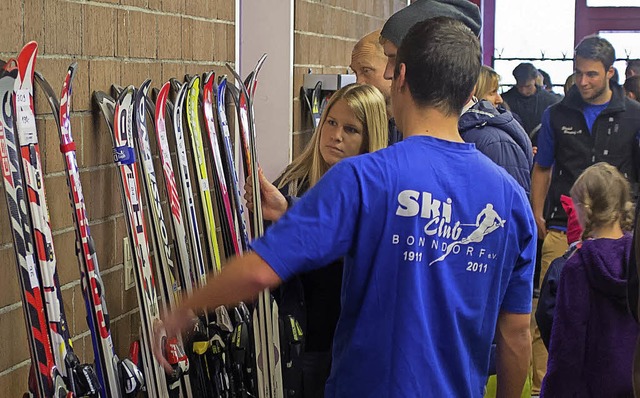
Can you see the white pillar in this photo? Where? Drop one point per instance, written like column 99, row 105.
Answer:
column 267, row 27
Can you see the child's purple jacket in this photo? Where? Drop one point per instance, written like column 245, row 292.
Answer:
column 594, row 335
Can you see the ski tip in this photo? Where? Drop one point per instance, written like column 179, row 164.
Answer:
column 71, row 71
column 209, row 78
column 144, row 87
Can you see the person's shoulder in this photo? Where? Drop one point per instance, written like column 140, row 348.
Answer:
column 574, row 264
column 551, row 98
column 632, row 105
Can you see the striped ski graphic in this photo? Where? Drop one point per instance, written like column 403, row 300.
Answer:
column 42, row 361
column 177, row 221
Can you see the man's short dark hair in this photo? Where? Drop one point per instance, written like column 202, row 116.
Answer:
column 525, row 72
column 597, row 49
column 442, row 59
column 632, row 85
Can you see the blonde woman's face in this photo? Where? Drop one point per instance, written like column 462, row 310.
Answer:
column 494, row 97
column 341, row 134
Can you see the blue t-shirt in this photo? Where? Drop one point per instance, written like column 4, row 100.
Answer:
column 437, row 239
column 591, row 112
column 546, row 139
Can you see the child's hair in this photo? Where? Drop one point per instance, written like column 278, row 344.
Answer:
column 604, row 197
column 488, row 81
column 368, row 105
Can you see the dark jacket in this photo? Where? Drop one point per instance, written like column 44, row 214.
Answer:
column 313, row 298
column 593, row 335
column 529, row 108
column 501, row 138
column 613, row 139
column 394, row 135
column 548, row 294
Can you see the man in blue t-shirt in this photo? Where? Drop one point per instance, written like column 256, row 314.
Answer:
column 439, row 244
column 595, row 122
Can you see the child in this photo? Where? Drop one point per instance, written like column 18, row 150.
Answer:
column 594, row 335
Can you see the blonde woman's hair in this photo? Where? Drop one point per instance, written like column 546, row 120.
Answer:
column 604, row 196
column 368, row 105
column 571, row 80
column 487, row 82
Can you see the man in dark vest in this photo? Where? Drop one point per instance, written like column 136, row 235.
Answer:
column 595, row 122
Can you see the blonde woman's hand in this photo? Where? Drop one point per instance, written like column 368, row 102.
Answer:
column 274, row 204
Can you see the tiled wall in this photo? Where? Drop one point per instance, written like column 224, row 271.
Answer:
column 113, row 41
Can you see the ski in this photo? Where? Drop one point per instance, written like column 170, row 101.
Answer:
column 231, row 168
column 93, row 291
column 177, row 221
column 184, row 176
column 124, row 157
column 42, row 363
column 131, row 377
column 197, row 146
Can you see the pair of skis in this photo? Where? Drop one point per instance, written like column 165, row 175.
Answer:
column 56, row 371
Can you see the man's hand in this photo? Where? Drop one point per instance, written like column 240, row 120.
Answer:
column 541, row 223
column 175, row 322
column 540, row 181
column 274, row 204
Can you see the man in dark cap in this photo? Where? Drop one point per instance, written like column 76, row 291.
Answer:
column 399, row 23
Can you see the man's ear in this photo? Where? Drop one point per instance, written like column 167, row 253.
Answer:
column 610, row 72
column 401, row 76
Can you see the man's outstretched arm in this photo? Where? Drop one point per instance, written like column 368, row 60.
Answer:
column 513, row 353
column 242, row 279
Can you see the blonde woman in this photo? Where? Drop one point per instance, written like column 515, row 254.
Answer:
column 354, row 122
column 487, row 86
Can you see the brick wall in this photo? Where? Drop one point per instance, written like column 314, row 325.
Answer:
column 125, row 42
column 325, row 33
column 113, row 41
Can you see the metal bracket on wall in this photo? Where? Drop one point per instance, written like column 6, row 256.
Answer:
column 129, row 274
column 329, row 82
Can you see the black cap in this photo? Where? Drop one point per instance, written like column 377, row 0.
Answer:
column 399, row 23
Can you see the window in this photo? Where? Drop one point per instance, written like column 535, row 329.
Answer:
column 529, row 28
column 613, row 3
column 627, row 45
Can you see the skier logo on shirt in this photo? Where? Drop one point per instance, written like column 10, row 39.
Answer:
column 487, row 221
column 442, row 231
